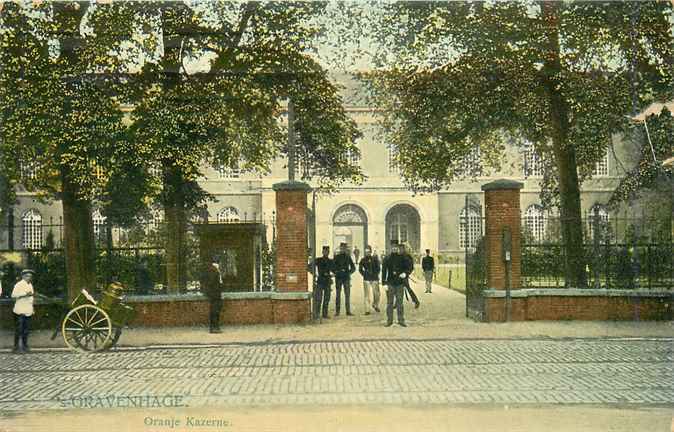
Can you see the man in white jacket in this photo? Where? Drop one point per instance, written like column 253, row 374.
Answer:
column 23, row 295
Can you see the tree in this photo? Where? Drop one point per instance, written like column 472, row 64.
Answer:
column 225, row 114
column 54, row 121
column 649, row 174
column 561, row 75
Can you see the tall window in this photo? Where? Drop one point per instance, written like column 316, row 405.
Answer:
column 472, row 162
column 601, row 167
column 228, row 214
column 597, row 216
column 231, row 172
column 535, row 221
column 28, row 170
column 156, row 218
column 353, row 157
column 470, row 227
column 32, row 229
column 533, row 164
column 398, row 227
column 99, row 225
column 392, row 158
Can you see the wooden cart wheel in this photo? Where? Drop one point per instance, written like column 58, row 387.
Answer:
column 87, row 328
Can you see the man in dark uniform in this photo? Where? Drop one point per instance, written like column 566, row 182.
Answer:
column 344, row 267
column 428, row 266
column 405, row 252
column 395, row 270
column 212, row 289
column 325, row 268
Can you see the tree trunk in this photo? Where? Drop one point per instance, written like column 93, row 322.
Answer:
column 565, row 155
column 176, row 229
column 78, row 237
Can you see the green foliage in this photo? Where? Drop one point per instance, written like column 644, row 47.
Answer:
column 649, row 174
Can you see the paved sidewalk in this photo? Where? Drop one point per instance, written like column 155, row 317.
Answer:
column 441, row 315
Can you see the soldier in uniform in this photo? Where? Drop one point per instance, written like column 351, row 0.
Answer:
column 395, row 270
column 325, row 268
column 212, row 289
column 344, row 267
column 405, row 252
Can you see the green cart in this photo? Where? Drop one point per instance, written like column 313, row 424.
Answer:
column 92, row 325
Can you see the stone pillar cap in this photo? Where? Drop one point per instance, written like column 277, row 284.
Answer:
column 502, row 184
column 291, row 185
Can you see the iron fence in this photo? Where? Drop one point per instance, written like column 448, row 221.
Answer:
column 135, row 256
column 619, row 253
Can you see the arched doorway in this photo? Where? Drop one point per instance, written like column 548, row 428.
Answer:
column 349, row 226
column 403, row 224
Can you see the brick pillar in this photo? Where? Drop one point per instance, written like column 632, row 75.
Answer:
column 291, row 236
column 502, row 202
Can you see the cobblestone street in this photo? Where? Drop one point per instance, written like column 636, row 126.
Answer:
column 529, row 371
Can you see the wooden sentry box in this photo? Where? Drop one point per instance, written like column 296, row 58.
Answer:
column 239, row 246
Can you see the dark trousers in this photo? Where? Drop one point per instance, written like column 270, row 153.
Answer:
column 21, row 330
column 413, row 296
column 321, row 299
column 214, row 312
column 395, row 293
column 346, row 284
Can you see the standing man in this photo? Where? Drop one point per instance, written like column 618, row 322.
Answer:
column 428, row 266
column 23, row 295
column 370, row 268
column 344, row 267
column 396, row 268
column 212, row 289
column 325, row 268
column 405, row 252
column 356, row 254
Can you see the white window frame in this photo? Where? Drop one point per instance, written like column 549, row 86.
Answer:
column 532, row 163
column 392, row 152
column 472, row 216
column 31, row 230
column 601, row 167
column 536, row 220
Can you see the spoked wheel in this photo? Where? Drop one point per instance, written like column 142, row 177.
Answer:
column 87, row 328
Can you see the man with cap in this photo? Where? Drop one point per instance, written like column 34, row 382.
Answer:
column 325, row 268
column 23, row 295
column 428, row 266
column 369, row 267
column 212, row 289
column 344, row 267
column 395, row 270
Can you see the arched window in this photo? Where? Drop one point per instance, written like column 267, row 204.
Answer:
column 32, row 229
column 535, row 221
column 228, row 214
column 470, row 227
column 99, row 225
column 598, row 216
column 350, row 213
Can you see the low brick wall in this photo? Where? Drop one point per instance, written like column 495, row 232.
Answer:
column 191, row 309
column 577, row 304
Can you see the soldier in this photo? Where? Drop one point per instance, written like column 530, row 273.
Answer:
column 212, row 289
column 325, row 268
column 23, row 295
column 370, row 268
column 344, row 267
column 395, row 270
column 428, row 266
column 405, row 252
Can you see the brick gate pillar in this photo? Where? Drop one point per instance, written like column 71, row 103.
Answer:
column 502, row 202
column 291, row 236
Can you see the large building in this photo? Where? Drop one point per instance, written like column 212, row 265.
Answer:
column 373, row 213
